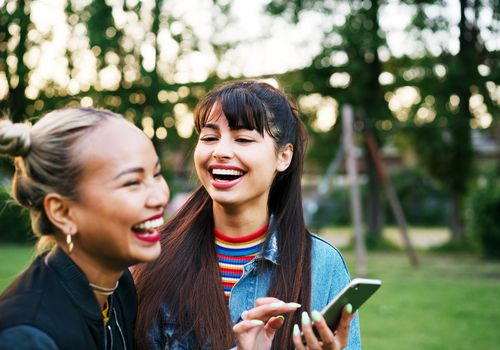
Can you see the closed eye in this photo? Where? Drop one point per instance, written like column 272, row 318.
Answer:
column 208, row 138
column 244, row 140
column 132, row 183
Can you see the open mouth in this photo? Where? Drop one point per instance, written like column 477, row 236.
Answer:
column 226, row 174
column 148, row 227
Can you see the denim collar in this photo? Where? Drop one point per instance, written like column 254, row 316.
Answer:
column 271, row 253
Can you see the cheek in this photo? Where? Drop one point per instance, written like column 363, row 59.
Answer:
column 199, row 157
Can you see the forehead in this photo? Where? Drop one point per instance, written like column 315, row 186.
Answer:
column 112, row 145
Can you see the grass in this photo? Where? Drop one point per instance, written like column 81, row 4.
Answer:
column 13, row 259
column 450, row 301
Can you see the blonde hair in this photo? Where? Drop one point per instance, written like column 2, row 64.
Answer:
column 46, row 159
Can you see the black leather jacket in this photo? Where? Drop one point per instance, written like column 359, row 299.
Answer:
column 52, row 305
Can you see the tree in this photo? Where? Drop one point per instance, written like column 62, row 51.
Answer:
column 348, row 68
column 14, row 26
column 453, row 98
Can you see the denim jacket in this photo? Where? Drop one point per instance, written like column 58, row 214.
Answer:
column 329, row 276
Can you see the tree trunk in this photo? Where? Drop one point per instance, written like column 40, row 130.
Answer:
column 374, row 212
column 17, row 98
column 457, row 222
column 374, row 206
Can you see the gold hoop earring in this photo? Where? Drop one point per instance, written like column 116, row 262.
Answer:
column 69, row 243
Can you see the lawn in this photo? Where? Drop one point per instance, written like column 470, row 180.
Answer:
column 448, row 302
column 13, row 259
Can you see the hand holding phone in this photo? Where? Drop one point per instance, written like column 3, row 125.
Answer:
column 355, row 293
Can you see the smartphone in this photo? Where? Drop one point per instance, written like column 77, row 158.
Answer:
column 355, row 293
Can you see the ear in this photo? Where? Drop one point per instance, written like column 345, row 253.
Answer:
column 285, row 156
column 58, row 210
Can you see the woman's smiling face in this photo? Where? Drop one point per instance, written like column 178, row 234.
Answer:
column 236, row 166
column 122, row 197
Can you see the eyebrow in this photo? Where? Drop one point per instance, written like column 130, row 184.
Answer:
column 211, row 126
column 134, row 170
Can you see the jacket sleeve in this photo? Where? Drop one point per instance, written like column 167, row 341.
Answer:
column 329, row 276
column 25, row 337
column 342, row 278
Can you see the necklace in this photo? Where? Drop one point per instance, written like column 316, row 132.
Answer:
column 102, row 290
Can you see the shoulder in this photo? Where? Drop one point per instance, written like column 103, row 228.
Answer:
column 25, row 337
column 325, row 252
column 22, row 300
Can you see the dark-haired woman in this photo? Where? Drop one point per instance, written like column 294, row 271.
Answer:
column 241, row 235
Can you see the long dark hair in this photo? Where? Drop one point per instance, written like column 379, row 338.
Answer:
column 186, row 275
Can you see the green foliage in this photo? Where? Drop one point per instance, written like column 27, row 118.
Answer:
column 484, row 212
column 423, row 202
column 14, row 219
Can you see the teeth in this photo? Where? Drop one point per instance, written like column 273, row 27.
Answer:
column 227, row 172
column 150, row 225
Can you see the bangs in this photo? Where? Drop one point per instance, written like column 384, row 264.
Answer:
column 242, row 109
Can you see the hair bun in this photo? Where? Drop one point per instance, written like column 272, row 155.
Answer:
column 15, row 139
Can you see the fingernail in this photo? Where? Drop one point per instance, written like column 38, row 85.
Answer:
column 348, row 308
column 257, row 322
column 277, row 304
column 296, row 330
column 316, row 316
column 305, row 319
column 281, row 316
column 244, row 315
column 294, row 305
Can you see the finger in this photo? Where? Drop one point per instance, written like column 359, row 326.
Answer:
column 244, row 315
column 309, row 336
column 266, row 311
column 247, row 325
column 265, row 300
column 345, row 325
column 273, row 325
column 297, row 338
column 325, row 333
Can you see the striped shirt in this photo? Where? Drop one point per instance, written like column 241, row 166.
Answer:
column 234, row 253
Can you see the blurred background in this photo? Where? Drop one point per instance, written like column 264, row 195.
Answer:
column 421, row 77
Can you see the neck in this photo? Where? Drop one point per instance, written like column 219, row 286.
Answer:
column 239, row 223
column 99, row 274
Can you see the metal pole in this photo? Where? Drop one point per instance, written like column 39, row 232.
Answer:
column 352, row 179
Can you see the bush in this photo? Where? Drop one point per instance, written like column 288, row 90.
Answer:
column 14, row 220
column 484, row 213
column 422, row 201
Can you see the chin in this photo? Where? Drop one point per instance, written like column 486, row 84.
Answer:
column 147, row 254
column 225, row 203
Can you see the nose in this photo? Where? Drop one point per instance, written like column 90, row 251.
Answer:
column 159, row 195
column 223, row 149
